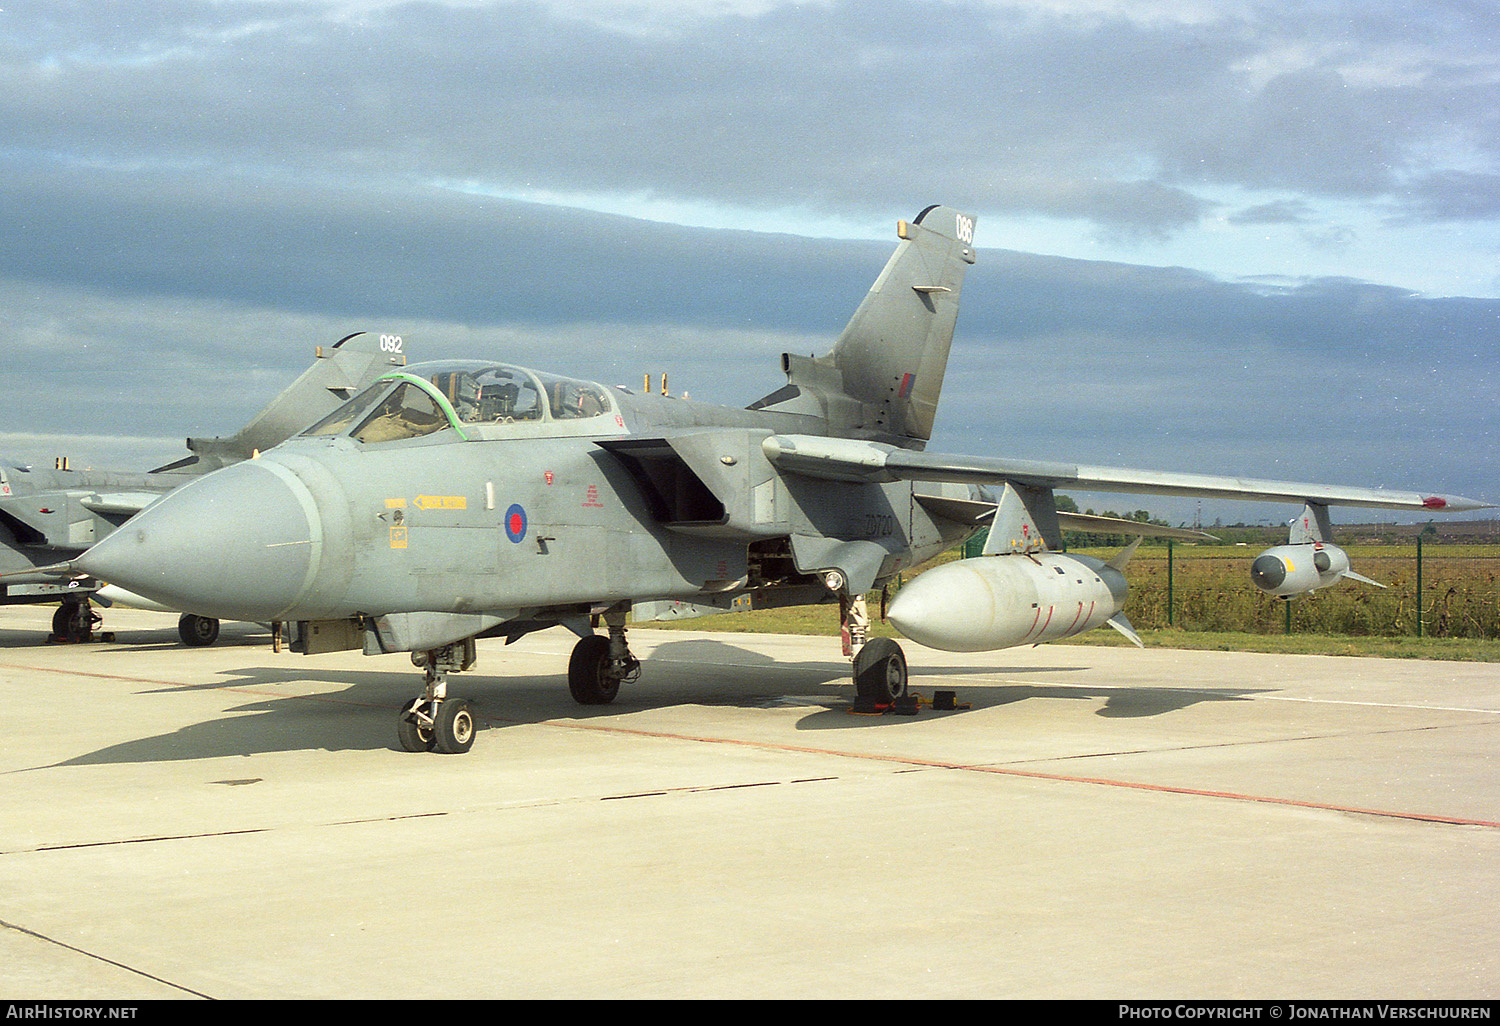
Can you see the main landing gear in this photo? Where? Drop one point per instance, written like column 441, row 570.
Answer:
column 599, row 664
column 880, row 675
column 74, row 623
column 197, row 631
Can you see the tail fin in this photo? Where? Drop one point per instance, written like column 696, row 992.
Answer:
column 337, row 372
column 883, row 378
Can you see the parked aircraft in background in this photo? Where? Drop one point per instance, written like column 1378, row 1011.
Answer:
column 49, row 515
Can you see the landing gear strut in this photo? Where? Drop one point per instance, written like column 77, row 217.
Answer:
column 879, row 673
column 879, row 664
column 74, row 622
column 599, row 664
column 433, row 722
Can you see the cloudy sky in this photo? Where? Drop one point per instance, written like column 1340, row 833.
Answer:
column 1220, row 235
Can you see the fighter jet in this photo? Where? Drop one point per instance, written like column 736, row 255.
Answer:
column 459, row 500
column 47, row 515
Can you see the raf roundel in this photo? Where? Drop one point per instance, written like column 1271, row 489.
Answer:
column 515, row 523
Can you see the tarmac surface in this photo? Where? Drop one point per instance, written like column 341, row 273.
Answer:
column 1091, row 822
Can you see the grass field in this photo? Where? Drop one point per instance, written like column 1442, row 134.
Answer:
column 1214, row 606
column 1211, row 591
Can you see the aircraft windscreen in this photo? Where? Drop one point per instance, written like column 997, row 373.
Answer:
column 341, row 419
column 406, row 413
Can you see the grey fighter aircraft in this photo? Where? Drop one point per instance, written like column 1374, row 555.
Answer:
column 460, row 500
column 52, row 514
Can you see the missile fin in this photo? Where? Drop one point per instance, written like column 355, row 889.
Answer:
column 1362, row 577
column 1120, row 623
column 1123, row 556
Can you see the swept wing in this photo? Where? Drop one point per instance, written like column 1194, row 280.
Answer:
column 842, row 459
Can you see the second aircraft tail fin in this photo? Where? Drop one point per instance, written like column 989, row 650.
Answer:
column 337, row 372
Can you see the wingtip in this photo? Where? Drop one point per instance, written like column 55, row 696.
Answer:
column 1455, row 504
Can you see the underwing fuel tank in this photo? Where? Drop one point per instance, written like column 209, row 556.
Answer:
column 993, row 602
column 1289, row 570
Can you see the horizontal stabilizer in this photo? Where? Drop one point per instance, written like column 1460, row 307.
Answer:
column 1118, row 525
column 338, row 371
column 129, row 503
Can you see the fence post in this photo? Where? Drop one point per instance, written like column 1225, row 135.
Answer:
column 1419, row 585
column 1170, row 620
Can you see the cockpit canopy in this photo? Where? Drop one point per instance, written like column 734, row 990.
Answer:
column 457, row 394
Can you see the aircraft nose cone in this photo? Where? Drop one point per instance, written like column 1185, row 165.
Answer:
column 241, row 543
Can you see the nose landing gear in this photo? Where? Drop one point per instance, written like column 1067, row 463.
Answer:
column 433, row 722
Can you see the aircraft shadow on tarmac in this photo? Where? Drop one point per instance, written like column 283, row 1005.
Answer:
column 360, row 715
column 731, row 660
column 236, row 635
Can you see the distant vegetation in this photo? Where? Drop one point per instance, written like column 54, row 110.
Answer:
column 1214, row 605
column 1211, row 591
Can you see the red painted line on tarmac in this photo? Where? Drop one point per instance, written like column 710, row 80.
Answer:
column 87, row 673
column 262, row 690
column 1008, row 771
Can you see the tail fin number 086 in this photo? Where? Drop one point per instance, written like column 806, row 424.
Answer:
column 965, row 229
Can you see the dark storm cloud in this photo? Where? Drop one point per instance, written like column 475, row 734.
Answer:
column 1456, row 196
column 1280, row 212
column 412, row 253
column 191, row 195
column 209, row 285
column 843, row 106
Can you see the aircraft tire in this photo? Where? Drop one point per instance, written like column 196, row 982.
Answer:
column 587, row 681
column 453, row 727
column 413, row 737
column 73, row 621
column 197, row 631
column 880, row 672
